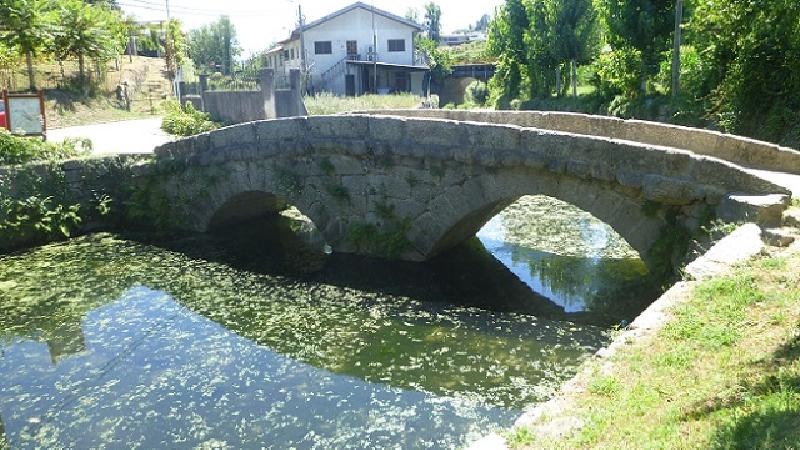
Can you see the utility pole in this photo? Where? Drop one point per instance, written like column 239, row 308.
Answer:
column 676, row 51
column 303, row 74
column 167, row 2
column 374, row 52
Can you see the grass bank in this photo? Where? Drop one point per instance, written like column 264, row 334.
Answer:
column 325, row 103
column 67, row 109
column 724, row 373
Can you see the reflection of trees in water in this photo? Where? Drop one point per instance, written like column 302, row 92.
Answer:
column 578, row 257
column 553, row 226
column 503, row 359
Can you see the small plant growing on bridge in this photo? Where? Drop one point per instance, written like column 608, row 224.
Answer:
column 327, row 167
column 338, row 192
column 185, row 121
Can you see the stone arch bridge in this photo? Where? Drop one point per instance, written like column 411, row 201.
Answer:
column 412, row 187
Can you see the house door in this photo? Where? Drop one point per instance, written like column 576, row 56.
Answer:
column 350, row 85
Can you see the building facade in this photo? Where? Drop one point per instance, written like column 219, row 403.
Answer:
column 354, row 51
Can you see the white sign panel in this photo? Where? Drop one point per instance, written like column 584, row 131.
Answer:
column 25, row 115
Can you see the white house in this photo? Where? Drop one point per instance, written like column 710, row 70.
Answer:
column 342, row 58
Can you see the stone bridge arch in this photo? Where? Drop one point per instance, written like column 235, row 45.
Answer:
column 411, row 188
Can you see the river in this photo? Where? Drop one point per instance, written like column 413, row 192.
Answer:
column 259, row 337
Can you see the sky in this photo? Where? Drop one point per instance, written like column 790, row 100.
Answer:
column 259, row 23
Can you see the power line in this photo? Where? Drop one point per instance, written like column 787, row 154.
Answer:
column 161, row 7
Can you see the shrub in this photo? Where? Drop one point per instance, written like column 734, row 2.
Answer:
column 185, row 121
column 35, row 219
column 477, row 93
column 20, row 150
column 617, row 73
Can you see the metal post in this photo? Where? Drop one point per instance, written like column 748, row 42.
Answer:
column 374, row 52
column 302, row 49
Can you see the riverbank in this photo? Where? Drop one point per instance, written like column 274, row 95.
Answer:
column 723, row 373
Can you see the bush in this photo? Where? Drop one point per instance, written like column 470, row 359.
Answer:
column 20, row 150
column 185, row 121
column 477, row 93
column 617, row 73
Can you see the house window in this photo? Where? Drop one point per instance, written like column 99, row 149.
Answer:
column 323, row 48
column 286, row 55
column 292, row 54
column 352, row 48
column 397, row 45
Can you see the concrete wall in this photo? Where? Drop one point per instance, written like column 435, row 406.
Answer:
column 234, row 107
column 741, row 150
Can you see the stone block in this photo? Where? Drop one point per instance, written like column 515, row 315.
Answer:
column 765, row 210
column 670, row 191
column 338, row 126
column 390, row 129
column 236, row 135
column 280, row 129
column 346, row 165
column 427, row 133
column 493, row 136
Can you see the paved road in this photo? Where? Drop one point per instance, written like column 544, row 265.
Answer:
column 130, row 136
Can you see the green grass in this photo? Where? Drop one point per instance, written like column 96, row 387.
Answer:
column 325, row 103
column 723, row 373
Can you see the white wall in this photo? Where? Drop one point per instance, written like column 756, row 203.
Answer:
column 355, row 25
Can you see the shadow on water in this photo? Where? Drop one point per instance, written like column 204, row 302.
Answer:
column 478, row 273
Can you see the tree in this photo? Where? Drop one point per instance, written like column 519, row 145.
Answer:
column 440, row 60
column 507, row 41
column 750, row 68
column 87, row 31
column 483, row 23
column 412, row 14
column 214, row 43
column 175, row 46
column 433, row 18
column 576, row 34
column 644, row 25
column 25, row 26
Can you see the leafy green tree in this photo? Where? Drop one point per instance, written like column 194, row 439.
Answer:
column 433, row 17
column 86, row 31
column 176, row 45
column 214, row 43
column 576, row 34
column 440, row 59
column 508, row 42
column 542, row 56
column 751, row 63
column 412, row 14
column 644, row 25
column 25, row 25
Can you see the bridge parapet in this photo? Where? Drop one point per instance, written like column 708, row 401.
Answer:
column 738, row 149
